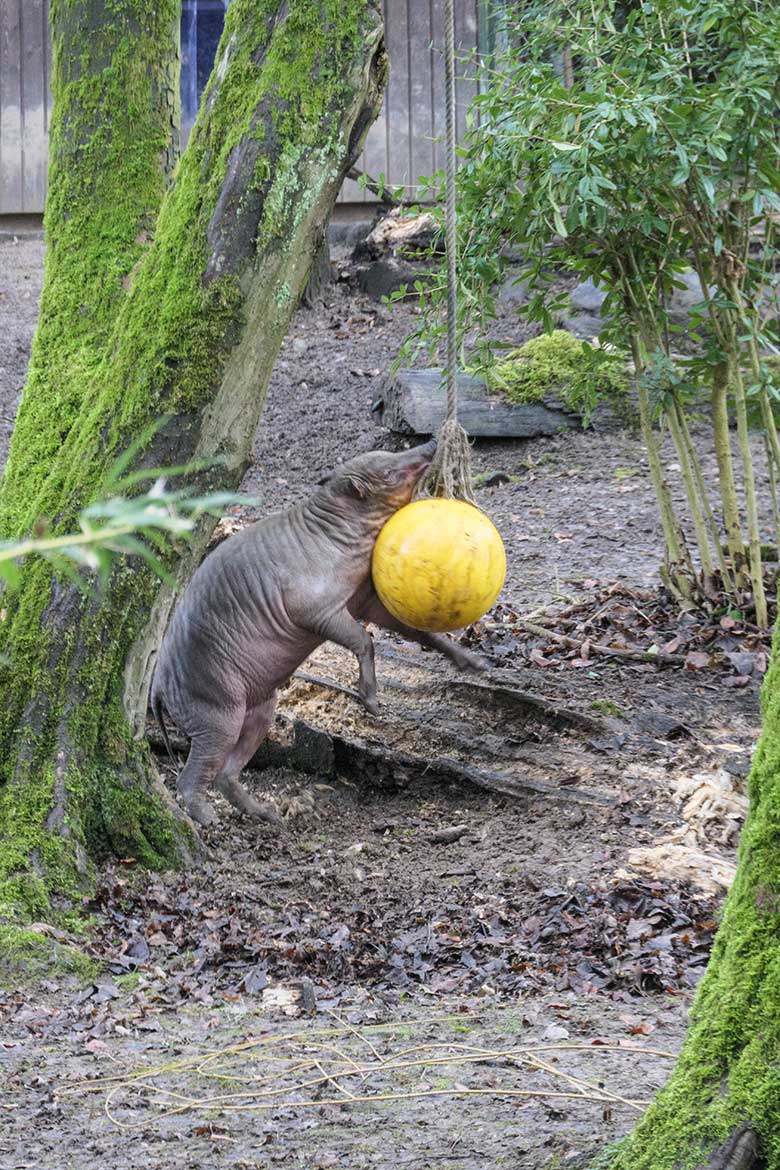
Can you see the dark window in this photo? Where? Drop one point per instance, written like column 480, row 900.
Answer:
column 201, row 28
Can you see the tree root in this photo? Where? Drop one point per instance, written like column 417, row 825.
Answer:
column 742, row 1151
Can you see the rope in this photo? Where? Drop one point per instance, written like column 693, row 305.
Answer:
column 449, row 475
column 450, row 213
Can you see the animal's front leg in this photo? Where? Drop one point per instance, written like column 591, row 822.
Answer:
column 341, row 627
column 371, row 609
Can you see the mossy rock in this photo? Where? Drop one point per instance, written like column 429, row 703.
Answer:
column 559, row 365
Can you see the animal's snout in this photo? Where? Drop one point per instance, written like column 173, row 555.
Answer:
column 421, row 456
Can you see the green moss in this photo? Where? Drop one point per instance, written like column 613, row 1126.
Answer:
column 606, row 707
column 24, row 810
column 560, row 365
column 729, row 1070
column 140, row 314
column 27, row 955
column 110, row 142
column 128, row 982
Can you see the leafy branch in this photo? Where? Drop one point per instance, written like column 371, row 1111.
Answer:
column 122, row 524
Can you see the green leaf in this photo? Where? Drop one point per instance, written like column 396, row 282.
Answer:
column 560, row 226
column 9, row 572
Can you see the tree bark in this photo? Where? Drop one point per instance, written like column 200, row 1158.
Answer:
column 192, row 338
column 114, row 141
column 721, row 1106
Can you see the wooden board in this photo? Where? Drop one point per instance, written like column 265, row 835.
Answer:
column 414, row 402
column 11, row 152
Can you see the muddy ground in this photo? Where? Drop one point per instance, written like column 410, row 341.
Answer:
column 481, row 972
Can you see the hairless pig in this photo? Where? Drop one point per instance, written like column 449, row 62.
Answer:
column 261, row 602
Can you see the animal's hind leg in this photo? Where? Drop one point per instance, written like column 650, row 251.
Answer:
column 209, row 749
column 256, row 723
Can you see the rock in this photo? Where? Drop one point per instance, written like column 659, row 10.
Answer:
column 386, row 275
column 588, row 297
column 514, row 291
column 683, row 299
column 583, row 325
column 658, row 723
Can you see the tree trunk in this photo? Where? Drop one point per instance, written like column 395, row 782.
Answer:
column 721, row 1106
column 113, row 143
column 192, row 337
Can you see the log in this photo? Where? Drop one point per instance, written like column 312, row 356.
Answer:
column 299, row 745
column 328, row 755
column 413, row 402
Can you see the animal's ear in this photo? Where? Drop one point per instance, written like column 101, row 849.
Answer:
column 356, row 487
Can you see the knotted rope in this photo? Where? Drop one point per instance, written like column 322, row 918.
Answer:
column 449, row 475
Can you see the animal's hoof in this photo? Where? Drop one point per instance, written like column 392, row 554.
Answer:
column 371, row 704
column 267, row 812
column 201, row 812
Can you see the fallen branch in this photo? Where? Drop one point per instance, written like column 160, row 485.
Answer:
column 600, row 648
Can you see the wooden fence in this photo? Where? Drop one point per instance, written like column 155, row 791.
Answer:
column 403, row 144
column 25, row 62
column 405, row 141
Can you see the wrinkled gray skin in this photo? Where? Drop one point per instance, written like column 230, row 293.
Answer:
column 261, row 602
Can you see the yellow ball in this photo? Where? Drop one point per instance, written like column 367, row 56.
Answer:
column 438, row 564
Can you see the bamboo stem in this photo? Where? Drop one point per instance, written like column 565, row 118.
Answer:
column 751, row 506
column 691, row 491
column 773, row 491
column 712, row 525
column 735, row 540
column 663, row 497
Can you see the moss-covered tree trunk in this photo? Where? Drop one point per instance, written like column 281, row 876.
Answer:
column 177, row 313
column 721, row 1106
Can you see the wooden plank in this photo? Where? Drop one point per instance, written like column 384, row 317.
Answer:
column 466, row 44
column 420, row 114
column 46, row 71
column 397, row 95
column 11, row 159
column 33, row 105
column 375, row 159
column 415, row 402
column 436, row 15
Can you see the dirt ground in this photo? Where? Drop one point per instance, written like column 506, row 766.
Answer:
column 478, row 976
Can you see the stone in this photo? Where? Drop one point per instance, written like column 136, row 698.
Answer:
column 583, row 325
column 588, row 297
column 386, row 275
column 514, row 292
column 683, row 299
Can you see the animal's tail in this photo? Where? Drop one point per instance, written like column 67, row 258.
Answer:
column 157, row 706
